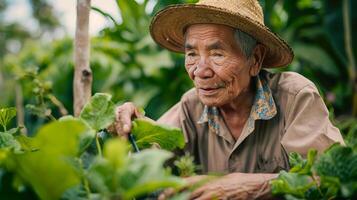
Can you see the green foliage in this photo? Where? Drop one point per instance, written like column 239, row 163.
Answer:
column 301, row 166
column 8, row 141
column 56, row 162
column 185, row 165
column 46, row 168
column 151, row 174
column 292, row 184
column 99, row 112
column 6, row 114
column 316, row 30
column 148, row 133
column 332, row 175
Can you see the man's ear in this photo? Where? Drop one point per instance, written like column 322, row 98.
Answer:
column 257, row 58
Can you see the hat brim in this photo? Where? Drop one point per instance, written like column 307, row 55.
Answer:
column 168, row 28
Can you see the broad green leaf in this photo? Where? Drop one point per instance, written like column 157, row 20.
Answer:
column 338, row 161
column 99, row 112
column 148, row 133
column 6, row 114
column 306, row 168
column 296, row 162
column 27, row 143
column 48, row 170
column 87, row 138
column 101, row 177
column 3, row 155
column 151, row 66
column 291, row 183
column 75, row 193
column 8, row 141
column 115, row 151
column 317, row 57
column 145, row 173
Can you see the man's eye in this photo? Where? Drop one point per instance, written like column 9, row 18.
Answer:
column 191, row 54
column 217, row 54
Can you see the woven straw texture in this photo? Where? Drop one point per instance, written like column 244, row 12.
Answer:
column 168, row 26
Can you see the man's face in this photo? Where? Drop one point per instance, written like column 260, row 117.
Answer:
column 216, row 64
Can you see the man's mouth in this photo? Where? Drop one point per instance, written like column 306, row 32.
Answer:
column 208, row 90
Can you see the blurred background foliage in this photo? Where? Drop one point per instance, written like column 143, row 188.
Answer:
column 126, row 63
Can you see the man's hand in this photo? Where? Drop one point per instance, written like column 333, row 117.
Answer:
column 124, row 115
column 191, row 181
column 235, row 186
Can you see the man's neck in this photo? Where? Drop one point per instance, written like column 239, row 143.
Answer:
column 242, row 104
column 237, row 112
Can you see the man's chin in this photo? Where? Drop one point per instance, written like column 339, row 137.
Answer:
column 210, row 101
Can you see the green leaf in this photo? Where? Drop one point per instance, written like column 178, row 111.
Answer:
column 185, row 165
column 145, row 173
column 99, row 112
column 291, row 184
column 75, row 193
column 300, row 165
column 8, row 141
column 317, row 57
column 6, row 114
column 296, row 162
column 87, row 138
column 115, row 151
column 338, row 161
column 27, row 143
column 48, row 170
column 148, row 133
column 151, row 66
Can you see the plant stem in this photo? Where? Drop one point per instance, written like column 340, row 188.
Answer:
column 85, row 181
column 59, row 104
column 99, row 148
column 349, row 52
column 20, row 107
column 317, row 185
column 52, row 118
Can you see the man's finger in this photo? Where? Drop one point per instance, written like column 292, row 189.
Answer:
column 198, row 192
column 167, row 194
column 208, row 195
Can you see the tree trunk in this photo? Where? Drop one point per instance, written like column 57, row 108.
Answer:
column 82, row 83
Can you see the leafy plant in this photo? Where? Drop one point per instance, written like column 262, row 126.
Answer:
column 148, row 133
column 185, row 165
column 55, row 162
column 332, row 175
column 6, row 114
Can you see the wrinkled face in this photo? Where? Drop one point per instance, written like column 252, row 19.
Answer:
column 216, row 64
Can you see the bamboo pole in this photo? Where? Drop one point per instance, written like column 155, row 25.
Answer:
column 82, row 83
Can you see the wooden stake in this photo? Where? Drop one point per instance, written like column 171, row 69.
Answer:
column 82, row 83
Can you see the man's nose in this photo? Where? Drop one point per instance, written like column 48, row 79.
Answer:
column 203, row 70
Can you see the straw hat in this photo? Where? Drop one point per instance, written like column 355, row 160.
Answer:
column 168, row 26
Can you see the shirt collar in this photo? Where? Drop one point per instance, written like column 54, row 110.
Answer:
column 263, row 108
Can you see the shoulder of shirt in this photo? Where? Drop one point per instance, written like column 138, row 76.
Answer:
column 190, row 96
column 289, row 82
column 191, row 106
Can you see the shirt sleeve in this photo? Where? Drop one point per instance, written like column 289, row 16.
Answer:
column 172, row 116
column 307, row 123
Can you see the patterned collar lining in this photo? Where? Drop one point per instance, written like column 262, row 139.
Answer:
column 263, row 108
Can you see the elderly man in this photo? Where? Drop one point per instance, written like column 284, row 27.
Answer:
column 239, row 120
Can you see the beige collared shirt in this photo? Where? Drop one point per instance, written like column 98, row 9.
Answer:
column 288, row 115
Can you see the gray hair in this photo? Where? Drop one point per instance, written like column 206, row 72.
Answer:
column 245, row 42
